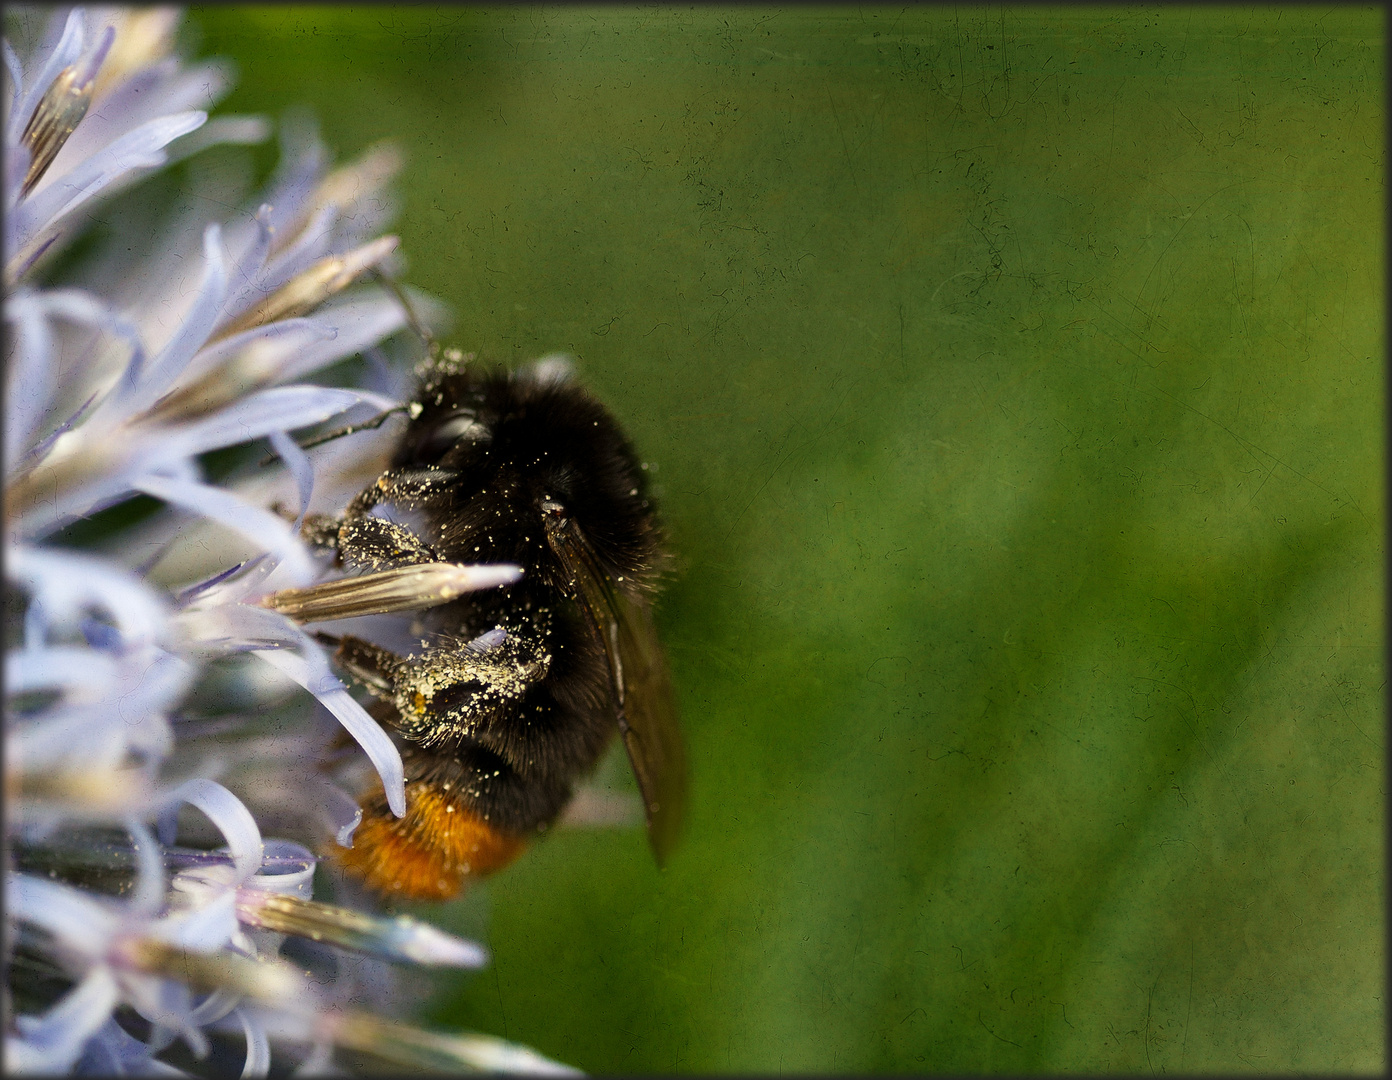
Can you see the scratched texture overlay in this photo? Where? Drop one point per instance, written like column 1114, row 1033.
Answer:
column 1015, row 382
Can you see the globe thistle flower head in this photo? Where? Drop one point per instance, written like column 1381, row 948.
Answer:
column 145, row 909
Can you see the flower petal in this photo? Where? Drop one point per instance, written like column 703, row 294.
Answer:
column 51, row 745
column 168, row 1005
column 232, row 818
column 360, row 193
column 15, row 70
column 161, row 89
column 309, row 289
column 193, row 592
column 216, row 1005
column 231, row 590
column 143, row 684
column 258, row 1055
column 37, row 217
column 234, row 366
column 287, row 868
column 343, row 815
column 290, row 335
column 315, row 678
column 204, row 929
column 197, row 323
column 149, row 861
column 69, row 585
column 300, row 468
column 304, row 250
column 261, row 527
column 281, row 408
column 82, row 674
column 219, row 131
column 355, row 324
column 54, row 1041
column 67, row 50
column 233, row 627
column 302, row 161
column 83, row 925
column 246, row 283
column 30, row 388
column 112, row 1051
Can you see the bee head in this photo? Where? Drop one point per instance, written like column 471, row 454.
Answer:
column 527, row 450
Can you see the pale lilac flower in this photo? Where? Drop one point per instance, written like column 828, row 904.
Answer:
column 182, row 336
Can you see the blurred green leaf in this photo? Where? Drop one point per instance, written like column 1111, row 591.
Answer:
column 1015, row 379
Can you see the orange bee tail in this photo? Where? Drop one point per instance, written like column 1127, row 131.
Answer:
column 428, row 854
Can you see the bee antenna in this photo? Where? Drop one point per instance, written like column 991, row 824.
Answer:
column 367, row 425
column 431, row 345
column 410, row 409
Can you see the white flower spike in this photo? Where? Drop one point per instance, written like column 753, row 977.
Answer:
column 132, row 709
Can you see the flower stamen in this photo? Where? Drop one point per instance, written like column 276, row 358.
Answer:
column 399, row 938
column 307, row 290
column 60, row 110
column 407, row 588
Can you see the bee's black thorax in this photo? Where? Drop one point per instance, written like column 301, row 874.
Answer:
column 512, row 442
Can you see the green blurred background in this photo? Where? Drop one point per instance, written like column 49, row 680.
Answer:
column 1016, row 382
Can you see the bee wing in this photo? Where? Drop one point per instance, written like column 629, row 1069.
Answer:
column 648, row 720
column 641, row 687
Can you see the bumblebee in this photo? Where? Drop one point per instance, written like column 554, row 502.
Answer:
column 518, row 690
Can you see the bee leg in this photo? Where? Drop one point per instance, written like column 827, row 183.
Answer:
column 372, row 665
column 367, row 543
column 411, row 489
column 320, row 531
column 453, row 694
column 373, row 543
